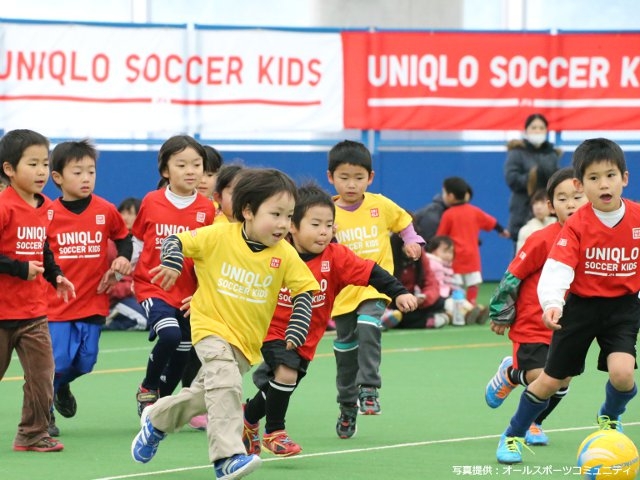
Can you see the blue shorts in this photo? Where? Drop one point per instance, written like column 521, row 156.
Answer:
column 75, row 344
column 162, row 315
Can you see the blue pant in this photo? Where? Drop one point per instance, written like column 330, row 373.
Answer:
column 75, row 349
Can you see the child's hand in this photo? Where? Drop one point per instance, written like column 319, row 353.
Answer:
column 121, row 265
column 107, row 282
column 412, row 250
column 498, row 329
column 505, row 234
column 406, row 302
column 291, row 345
column 165, row 276
column 64, row 288
column 551, row 317
column 35, row 269
column 186, row 306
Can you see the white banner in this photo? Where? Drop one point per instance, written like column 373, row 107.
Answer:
column 128, row 82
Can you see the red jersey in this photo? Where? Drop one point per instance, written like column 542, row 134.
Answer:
column 604, row 259
column 157, row 219
column 527, row 266
column 79, row 243
column 335, row 268
column 463, row 223
column 23, row 232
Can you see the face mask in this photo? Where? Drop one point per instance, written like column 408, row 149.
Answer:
column 536, row 139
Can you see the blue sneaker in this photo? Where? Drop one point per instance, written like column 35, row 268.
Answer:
column 145, row 445
column 236, row 467
column 509, row 450
column 535, row 436
column 499, row 387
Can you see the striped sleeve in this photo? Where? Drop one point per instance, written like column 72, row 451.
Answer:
column 171, row 253
column 300, row 319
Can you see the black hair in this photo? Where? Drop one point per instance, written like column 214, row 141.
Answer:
column 535, row 116
column 351, row 153
column 457, row 186
column 212, row 160
column 539, row 195
column 66, row 152
column 177, row 144
column 596, row 150
column 311, row 195
column 255, row 185
column 434, row 243
column 129, row 203
column 14, row 143
column 556, row 179
column 226, row 176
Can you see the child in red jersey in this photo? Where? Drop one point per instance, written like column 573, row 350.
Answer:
column 588, row 291
column 515, row 306
column 171, row 209
column 26, row 265
column 463, row 222
column 334, row 266
column 82, row 226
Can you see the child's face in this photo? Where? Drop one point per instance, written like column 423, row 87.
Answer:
column 207, row 184
column 272, row 220
column 31, row 173
column 129, row 216
column 351, row 181
column 602, row 184
column 77, row 179
column 315, row 231
column 566, row 200
column 226, row 202
column 540, row 210
column 184, row 171
column 444, row 252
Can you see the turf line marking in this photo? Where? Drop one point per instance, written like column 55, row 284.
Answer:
column 353, row 450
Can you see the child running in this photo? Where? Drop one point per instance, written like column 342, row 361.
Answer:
column 26, row 264
column 241, row 268
column 83, row 223
column 515, row 306
column 594, row 260
column 334, row 266
column 177, row 207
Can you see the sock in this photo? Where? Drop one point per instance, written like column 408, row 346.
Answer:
column 553, row 403
column 517, row 376
column 528, row 410
column 277, row 403
column 615, row 402
column 472, row 294
column 255, row 408
column 168, row 341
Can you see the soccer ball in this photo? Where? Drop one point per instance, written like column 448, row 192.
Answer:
column 608, row 454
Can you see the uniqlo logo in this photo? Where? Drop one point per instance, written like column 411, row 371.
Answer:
column 50, row 214
column 325, row 266
column 275, row 262
column 522, row 255
column 562, row 242
column 636, row 233
column 100, row 220
column 200, row 216
column 374, row 212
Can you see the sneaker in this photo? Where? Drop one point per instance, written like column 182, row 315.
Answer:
column 606, row 423
column 280, row 444
column 499, row 387
column 236, row 467
column 368, row 400
column 251, row 436
column 346, row 427
column 199, row 422
column 145, row 444
column 472, row 315
column 53, row 429
column 509, row 450
column 65, row 402
column 535, row 436
column 46, row 444
column 145, row 398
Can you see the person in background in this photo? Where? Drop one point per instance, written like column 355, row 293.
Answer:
column 530, row 163
column 212, row 163
column 541, row 217
column 222, row 194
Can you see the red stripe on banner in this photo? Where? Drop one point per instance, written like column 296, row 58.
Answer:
column 249, row 101
column 71, row 98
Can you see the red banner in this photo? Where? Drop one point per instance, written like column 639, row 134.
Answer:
column 491, row 81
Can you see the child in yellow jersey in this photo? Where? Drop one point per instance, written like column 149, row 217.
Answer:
column 241, row 268
column 364, row 221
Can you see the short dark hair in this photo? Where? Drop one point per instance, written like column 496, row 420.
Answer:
column 539, row 195
column 596, row 150
column 174, row 145
column 14, row 143
column 129, row 203
column 212, row 160
column 255, row 185
column 456, row 186
column 311, row 195
column 556, row 179
column 351, row 153
column 66, row 152
column 535, row 116
column 226, row 176
column 434, row 243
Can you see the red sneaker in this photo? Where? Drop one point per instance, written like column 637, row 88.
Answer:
column 280, row 444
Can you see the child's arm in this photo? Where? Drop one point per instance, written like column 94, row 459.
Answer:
column 502, row 306
column 412, row 242
column 386, row 283
column 17, row 268
column 171, row 262
column 554, row 282
column 299, row 321
column 53, row 274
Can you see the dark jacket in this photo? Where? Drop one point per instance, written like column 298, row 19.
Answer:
column 427, row 219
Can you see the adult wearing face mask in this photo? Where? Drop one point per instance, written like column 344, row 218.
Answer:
column 530, row 162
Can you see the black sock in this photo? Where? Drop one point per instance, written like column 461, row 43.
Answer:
column 553, row 403
column 254, row 410
column 277, row 403
column 517, row 376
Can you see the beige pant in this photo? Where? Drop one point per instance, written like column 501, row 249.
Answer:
column 217, row 391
